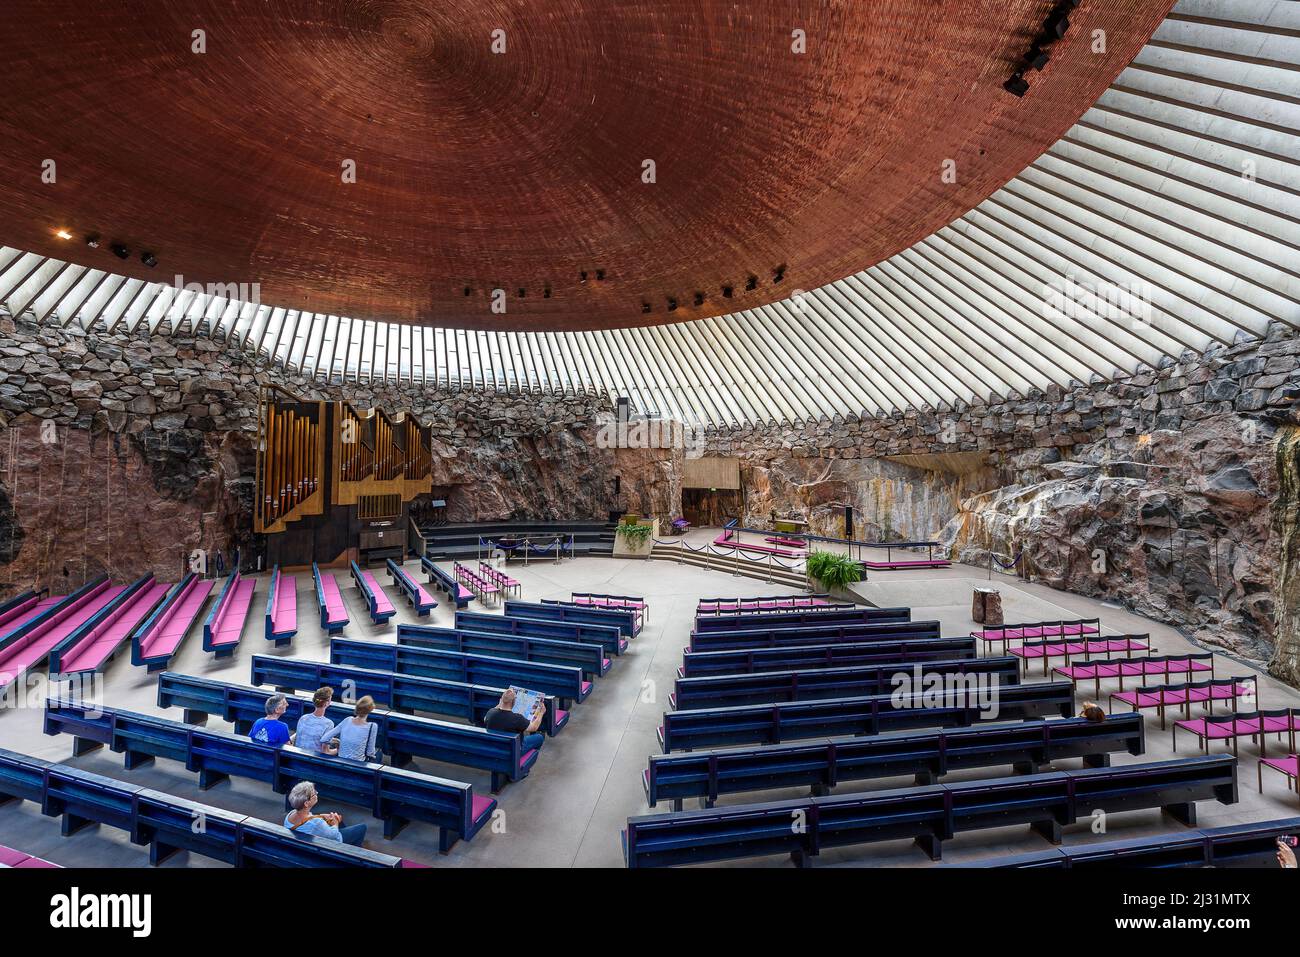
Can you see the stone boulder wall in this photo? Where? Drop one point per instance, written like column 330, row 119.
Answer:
column 1285, row 663
column 1174, row 524
column 891, row 501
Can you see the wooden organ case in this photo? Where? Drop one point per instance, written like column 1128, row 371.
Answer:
column 334, row 483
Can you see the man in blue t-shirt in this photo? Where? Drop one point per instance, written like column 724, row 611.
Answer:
column 271, row 730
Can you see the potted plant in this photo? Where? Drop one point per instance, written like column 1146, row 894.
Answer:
column 832, row 573
column 635, row 539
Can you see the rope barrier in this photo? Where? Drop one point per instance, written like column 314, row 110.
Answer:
column 1005, row 565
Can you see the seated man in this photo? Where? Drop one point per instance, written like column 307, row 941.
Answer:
column 503, row 718
column 271, row 730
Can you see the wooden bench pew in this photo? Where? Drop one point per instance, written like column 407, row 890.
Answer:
column 28, row 642
column 90, row 646
column 225, row 623
column 791, row 657
column 166, row 823
column 565, row 682
column 281, row 608
column 608, row 637
column 818, row 635
column 929, row 814
column 1036, row 630
column 329, row 600
column 378, row 605
column 405, row 693
column 870, row 714
column 393, row 795
column 723, row 691
column 416, row 595
column 928, row 755
column 159, row 637
column 590, row 658
column 454, row 590
column 548, row 610
column 801, row 618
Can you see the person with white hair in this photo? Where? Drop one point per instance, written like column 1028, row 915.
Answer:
column 301, row 820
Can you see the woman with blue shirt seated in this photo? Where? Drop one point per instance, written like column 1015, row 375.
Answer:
column 314, row 729
column 301, row 820
column 356, row 735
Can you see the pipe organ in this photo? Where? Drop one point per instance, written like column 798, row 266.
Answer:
column 325, row 468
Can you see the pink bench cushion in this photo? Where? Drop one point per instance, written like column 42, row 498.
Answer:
column 482, row 805
column 11, row 858
column 285, row 615
column 335, row 610
column 172, row 625
column 382, row 604
column 230, row 623
column 17, row 658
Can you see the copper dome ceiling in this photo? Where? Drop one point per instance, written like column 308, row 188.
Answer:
column 523, row 169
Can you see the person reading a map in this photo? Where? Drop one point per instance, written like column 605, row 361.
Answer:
column 507, row 717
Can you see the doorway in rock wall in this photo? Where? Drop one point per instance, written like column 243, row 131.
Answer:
column 707, row 506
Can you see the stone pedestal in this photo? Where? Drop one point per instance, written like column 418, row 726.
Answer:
column 986, row 606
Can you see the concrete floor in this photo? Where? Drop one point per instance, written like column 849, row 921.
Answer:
column 570, row 810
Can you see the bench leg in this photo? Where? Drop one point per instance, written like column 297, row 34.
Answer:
column 283, row 690
column 1096, row 760
column 82, row 746
column 400, row 759
column 1025, row 767
column 801, row 858
column 931, row 844
column 498, row 781
column 159, row 852
column 1050, row 829
column 208, row 779
column 155, row 666
column 706, row 803
column 71, row 824
column 821, row 790
column 193, row 716
column 677, row 804
column 393, row 826
column 134, row 759
column 446, row 839
column 924, row 778
column 1184, row 813
column 227, row 652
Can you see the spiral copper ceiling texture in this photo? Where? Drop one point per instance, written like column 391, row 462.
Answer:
column 799, row 141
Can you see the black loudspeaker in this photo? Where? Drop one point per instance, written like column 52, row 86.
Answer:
column 848, row 521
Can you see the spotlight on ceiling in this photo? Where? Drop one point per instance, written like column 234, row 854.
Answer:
column 120, row 251
column 699, row 299
column 582, row 276
column 751, row 283
column 93, row 240
column 468, row 290
column 63, row 234
column 1037, row 58
column 546, row 292
column 149, row 259
column 1017, row 85
column 600, row 275
column 645, row 307
column 778, row 274
column 1058, row 21
column 672, row 304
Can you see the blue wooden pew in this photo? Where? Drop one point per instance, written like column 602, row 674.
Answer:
column 400, row 736
column 329, row 601
column 928, row 755
column 828, row 635
column 590, row 658
column 445, row 582
column 378, row 604
column 280, row 619
column 737, row 661
column 166, row 823
column 626, row 621
column 401, row 692
column 929, row 815
column 607, row 636
column 802, row 618
column 1235, row 845
column 566, row 683
column 393, row 795
column 722, row 691
column 419, row 599
column 871, row 714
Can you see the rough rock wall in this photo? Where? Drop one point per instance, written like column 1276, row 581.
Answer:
column 122, row 453
column 1157, row 491
column 1286, row 524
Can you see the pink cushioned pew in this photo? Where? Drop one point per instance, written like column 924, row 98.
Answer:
column 1079, row 647
column 377, row 603
column 1032, row 630
column 281, row 608
column 1256, row 725
column 1121, row 668
column 27, row 645
column 764, row 603
column 11, row 858
column 155, row 641
column 90, row 647
column 632, row 603
column 225, row 623
column 1185, row 694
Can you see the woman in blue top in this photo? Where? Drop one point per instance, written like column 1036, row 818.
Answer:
column 356, row 735
column 301, row 820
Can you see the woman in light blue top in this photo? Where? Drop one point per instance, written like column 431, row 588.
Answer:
column 314, row 729
column 329, row 826
column 356, row 735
